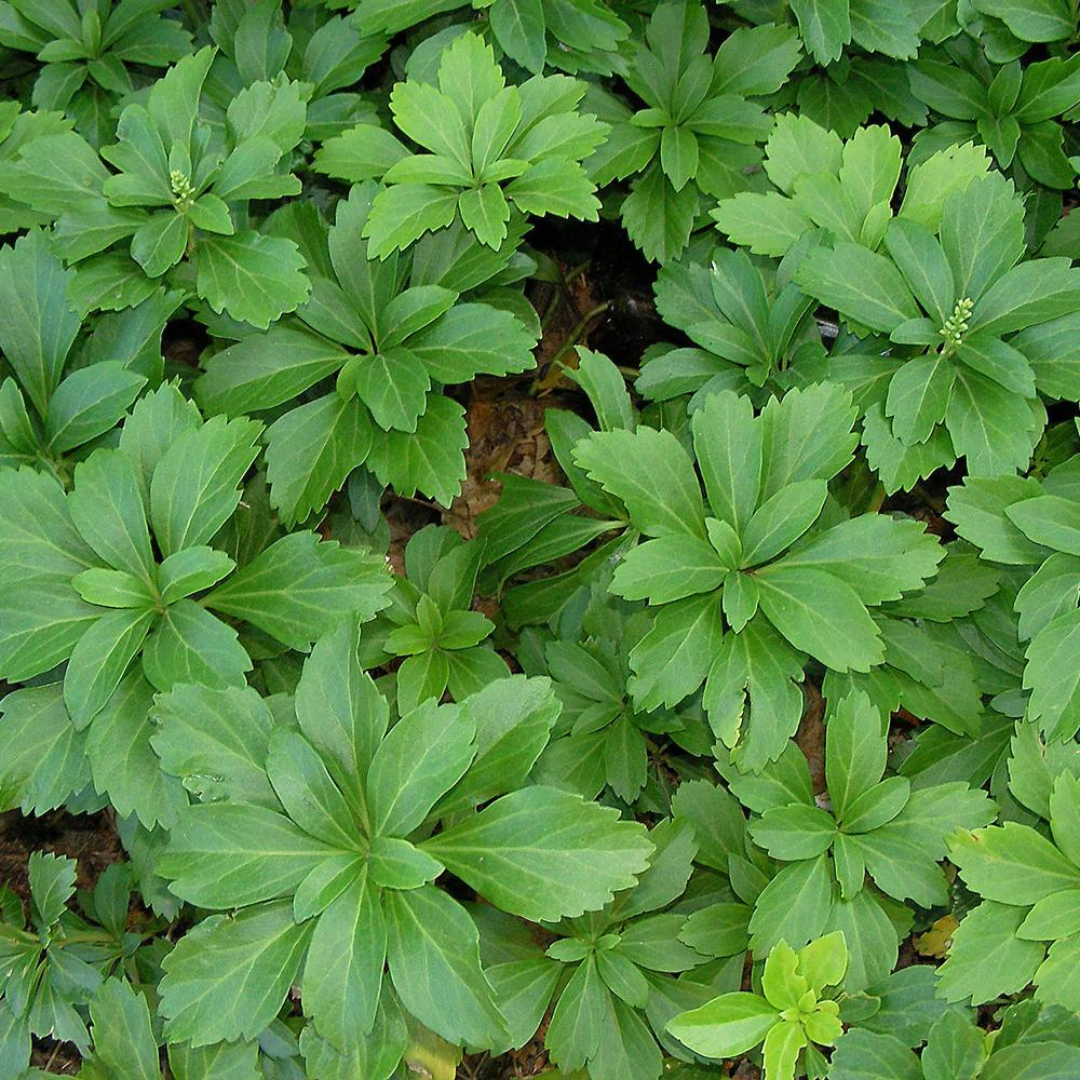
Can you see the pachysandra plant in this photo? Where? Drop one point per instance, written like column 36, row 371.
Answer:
column 1033, row 1037
column 320, row 840
column 327, row 53
column 930, row 670
column 86, row 50
column 699, row 130
column 171, row 199
column 747, row 329
column 1028, row 919
column 573, row 35
column 609, row 976
column 792, row 1016
column 973, row 310
column 489, row 151
column 786, row 778
column 1012, row 109
column 872, row 826
column 121, row 557
column 20, row 128
column 603, row 741
column 124, row 1043
column 1019, row 521
column 842, row 188
column 46, row 414
column 389, row 333
column 536, row 523
column 768, row 576
column 429, row 623
column 52, row 965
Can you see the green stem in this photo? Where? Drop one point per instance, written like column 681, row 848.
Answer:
column 578, row 332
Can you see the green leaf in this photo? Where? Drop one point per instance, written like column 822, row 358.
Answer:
column 669, row 568
column 880, row 557
column 160, row 243
column 820, row 614
column 921, row 260
column 793, row 906
column 308, row 793
column 525, row 850
column 755, row 662
column 215, row 741
column 434, row 957
column 806, row 435
column 1055, row 702
column 52, row 884
column 1057, row 975
column 401, row 214
column 1043, row 20
column 995, row 428
column 791, row 833
column 955, row 1049
column 337, row 436
column 156, row 420
column 263, row 370
column 420, row 759
column 986, row 958
column 254, row 278
column 107, row 509
column 856, row 751
column 190, row 571
column 673, row 658
column 484, row 211
column 88, row 403
column 1065, row 816
column 259, row 949
column 765, row 224
column 44, row 758
column 397, row 864
column 1049, row 520
column 652, row 474
column 755, row 60
column 223, row 855
column 918, row 397
column 519, row 27
column 123, row 1039
column 577, row 1024
column 360, row 153
column 340, row 711
column 195, row 486
column 728, row 1025
column 100, row 659
column 299, row 588
column 861, row 285
column 40, row 325
column 869, row 1055
column 122, row 761
column 229, row 1061
column 982, row 233
column 1012, row 864
column 514, row 718
column 343, row 971
column 191, row 645
column 781, row 1048
column 429, row 461
column 40, row 624
column 727, row 444
column 657, row 218
column 781, row 520
column 473, row 339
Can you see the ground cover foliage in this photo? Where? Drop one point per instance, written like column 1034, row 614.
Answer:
column 740, row 740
